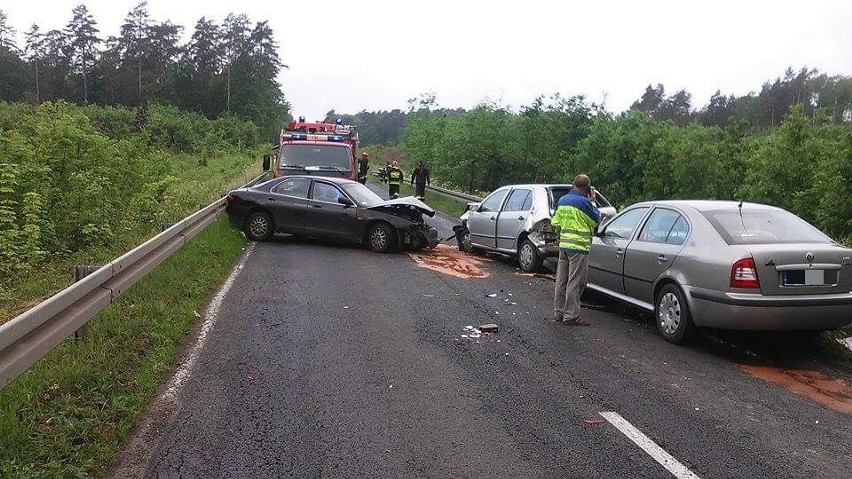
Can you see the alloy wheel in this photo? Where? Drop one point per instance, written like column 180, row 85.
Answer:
column 526, row 256
column 259, row 226
column 378, row 239
column 669, row 313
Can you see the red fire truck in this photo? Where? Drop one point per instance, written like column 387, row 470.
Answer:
column 322, row 149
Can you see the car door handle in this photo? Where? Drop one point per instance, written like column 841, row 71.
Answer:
column 521, row 218
column 661, row 259
column 316, row 205
column 491, row 219
column 271, row 198
column 619, row 252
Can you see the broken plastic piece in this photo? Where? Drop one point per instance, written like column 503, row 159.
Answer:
column 488, row 328
column 492, row 295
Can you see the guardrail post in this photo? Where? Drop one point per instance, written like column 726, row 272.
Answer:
column 81, row 272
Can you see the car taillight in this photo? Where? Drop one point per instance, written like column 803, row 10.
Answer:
column 744, row 274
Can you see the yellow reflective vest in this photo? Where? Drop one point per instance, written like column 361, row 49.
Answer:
column 575, row 220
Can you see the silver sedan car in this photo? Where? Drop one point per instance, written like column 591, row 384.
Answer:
column 723, row 264
column 515, row 220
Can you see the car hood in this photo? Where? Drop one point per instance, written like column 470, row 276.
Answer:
column 407, row 201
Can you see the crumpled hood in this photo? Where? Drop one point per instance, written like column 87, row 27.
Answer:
column 407, row 201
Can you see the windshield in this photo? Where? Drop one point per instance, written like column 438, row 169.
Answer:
column 332, row 157
column 763, row 226
column 362, row 195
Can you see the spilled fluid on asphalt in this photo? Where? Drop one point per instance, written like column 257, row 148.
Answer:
column 817, row 387
column 448, row 260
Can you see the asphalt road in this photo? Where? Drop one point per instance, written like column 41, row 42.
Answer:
column 330, row 360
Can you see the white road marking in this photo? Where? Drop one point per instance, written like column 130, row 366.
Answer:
column 659, row 454
column 210, row 315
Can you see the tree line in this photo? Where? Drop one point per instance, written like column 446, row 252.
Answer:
column 761, row 110
column 803, row 164
column 226, row 68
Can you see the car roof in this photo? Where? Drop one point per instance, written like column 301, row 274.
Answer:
column 705, row 205
column 537, row 185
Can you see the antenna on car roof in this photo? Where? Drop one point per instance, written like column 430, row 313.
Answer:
column 742, row 222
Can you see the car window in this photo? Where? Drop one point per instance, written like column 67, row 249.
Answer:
column 762, row 226
column 658, row 226
column 517, row 200
column 492, row 203
column 325, row 192
column 622, row 226
column 297, row 187
column 528, row 203
column 679, row 232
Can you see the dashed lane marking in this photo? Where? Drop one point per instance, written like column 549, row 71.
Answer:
column 656, row 452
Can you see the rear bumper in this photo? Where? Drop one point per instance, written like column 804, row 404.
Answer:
column 545, row 246
column 747, row 311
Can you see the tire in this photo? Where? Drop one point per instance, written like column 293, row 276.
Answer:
column 259, row 227
column 671, row 313
column 381, row 238
column 529, row 258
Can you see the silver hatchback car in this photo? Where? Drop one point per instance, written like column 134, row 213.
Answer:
column 723, row 264
column 515, row 220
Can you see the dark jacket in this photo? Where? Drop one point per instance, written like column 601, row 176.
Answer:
column 420, row 175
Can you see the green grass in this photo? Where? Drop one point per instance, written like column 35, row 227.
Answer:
column 70, row 414
column 193, row 186
column 441, row 203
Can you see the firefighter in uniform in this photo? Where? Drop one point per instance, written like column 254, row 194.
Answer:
column 394, row 180
column 363, row 166
column 420, row 176
column 575, row 221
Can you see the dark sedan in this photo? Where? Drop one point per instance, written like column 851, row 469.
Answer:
column 331, row 208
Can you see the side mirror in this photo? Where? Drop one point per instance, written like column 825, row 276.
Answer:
column 266, row 160
column 346, row 202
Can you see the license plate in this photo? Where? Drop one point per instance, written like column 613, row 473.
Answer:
column 804, row 277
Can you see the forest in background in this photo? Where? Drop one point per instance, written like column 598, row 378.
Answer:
column 224, row 69
column 789, row 145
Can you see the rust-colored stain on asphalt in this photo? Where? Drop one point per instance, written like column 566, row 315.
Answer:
column 448, row 260
column 832, row 393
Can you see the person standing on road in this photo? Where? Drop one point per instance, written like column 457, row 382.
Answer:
column 575, row 221
column 420, row 176
column 363, row 166
column 395, row 177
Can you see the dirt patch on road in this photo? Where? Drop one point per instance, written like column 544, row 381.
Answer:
column 817, row 387
column 448, row 260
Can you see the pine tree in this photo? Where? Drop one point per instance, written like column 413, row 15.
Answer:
column 83, row 33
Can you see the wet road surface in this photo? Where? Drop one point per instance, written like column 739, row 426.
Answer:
column 330, row 360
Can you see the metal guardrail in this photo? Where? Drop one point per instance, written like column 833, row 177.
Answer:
column 32, row 335
column 454, row 195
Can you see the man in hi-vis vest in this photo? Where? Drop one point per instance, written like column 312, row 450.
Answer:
column 394, row 180
column 575, row 220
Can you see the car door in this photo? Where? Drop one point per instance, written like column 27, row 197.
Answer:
column 652, row 252
column 606, row 258
column 512, row 218
column 482, row 223
column 326, row 218
column 288, row 202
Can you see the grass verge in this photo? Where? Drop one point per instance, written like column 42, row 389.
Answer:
column 69, row 415
column 441, row 203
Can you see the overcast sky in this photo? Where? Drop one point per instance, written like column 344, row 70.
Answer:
column 371, row 55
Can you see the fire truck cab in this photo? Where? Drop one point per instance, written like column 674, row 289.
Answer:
column 322, row 149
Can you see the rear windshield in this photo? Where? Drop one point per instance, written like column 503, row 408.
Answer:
column 316, row 155
column 559, row 192
column 763, row 227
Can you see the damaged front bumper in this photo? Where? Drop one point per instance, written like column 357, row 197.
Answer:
column 419, row 237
